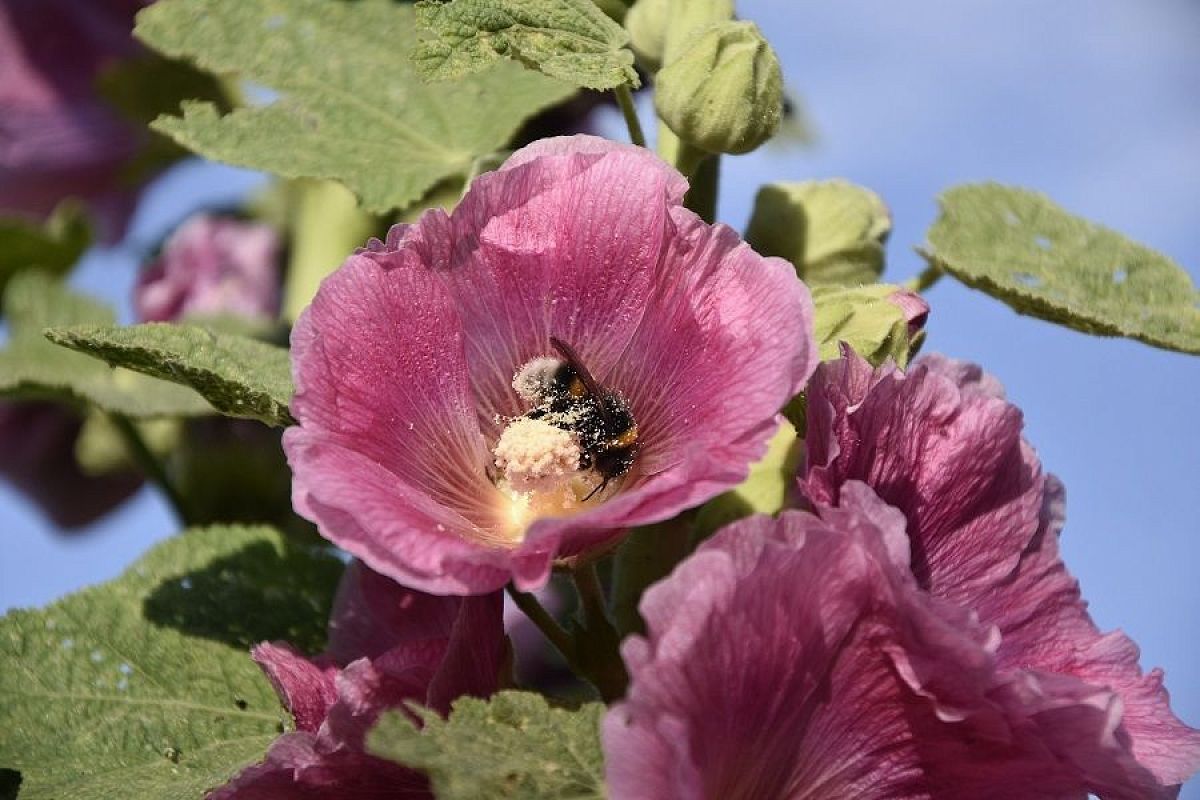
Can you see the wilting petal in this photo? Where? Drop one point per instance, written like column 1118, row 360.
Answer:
column 297, row 767
column 405, row 360
column 305, row 685
column 429, row 651
column 794, row 658
column 943, row 446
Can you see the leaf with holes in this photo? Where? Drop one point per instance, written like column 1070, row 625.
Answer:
column 572, row 40
column 143, row 687
column 1020, row 247
column 349, row 104
column 240, row 376
column 33, row 368
column 515, row 745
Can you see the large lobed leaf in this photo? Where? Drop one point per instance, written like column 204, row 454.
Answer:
column 350, row 106
column 143, row 687
column 515, row 745
column 572, row 40
column 239, row 376
column 1021, row 248
column 32, row 367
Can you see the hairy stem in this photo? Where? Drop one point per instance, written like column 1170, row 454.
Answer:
column 540, row 617
column 704, row 175
column 150, row 466
column 629, row 110
column 928, row 277
column 597, row 643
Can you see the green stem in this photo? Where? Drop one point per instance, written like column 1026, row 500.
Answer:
column 150, row 466
column 646, row 556
column 597, row 644
column 629, row 110
column 928, row 277
column 704, row 176
column 326, row 225
column 540, row 617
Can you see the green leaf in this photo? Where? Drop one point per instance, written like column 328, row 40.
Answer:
column 53, row 246
column 832, row 231
column 350, row 106
column 572, row 40
column 142, row 687
column 1024, row 250
column 239, row 376
column 864, row 318
column 142, row 89
column 765, row 491
column 32, row 367
column 515, row 745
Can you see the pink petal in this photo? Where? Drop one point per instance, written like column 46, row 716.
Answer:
column 404, row 362
column 791, row 658
column 297, row 768
column 549, row 245
column 949, row 456
column 305, row 685
column 943, row 446
column 209, row 266
column 372, row 614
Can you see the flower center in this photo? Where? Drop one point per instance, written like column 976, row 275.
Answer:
column 573, row 445
column 538, row 473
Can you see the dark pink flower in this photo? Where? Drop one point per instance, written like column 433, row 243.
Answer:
column 943, row 446
column 37, row 456
column 409, row 453
column 797, row 658
column 212, row 265
column 388, row 647
column 58, row 138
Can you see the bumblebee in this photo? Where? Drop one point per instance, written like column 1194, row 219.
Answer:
column 571, row 399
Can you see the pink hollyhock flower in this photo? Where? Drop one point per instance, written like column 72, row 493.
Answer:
column 442, row 437
column 943, row 446
column 388, row 646
column 38, row 458
column 798, row 658
column 58, row 138
column 212, row 265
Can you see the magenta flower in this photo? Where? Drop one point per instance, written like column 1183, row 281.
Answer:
column 942, row 446
column 443, row 438
column 212, row 265
column 388, row 646
column 38, row 458
column 797, row 658
column 58, row 138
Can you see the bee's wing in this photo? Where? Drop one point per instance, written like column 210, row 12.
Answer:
column 571, row 357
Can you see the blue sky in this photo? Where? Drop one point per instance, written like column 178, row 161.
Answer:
column 1094, row 102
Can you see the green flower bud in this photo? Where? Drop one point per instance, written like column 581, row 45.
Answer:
column 724, row 91
column 647, row 24
column 657, row 27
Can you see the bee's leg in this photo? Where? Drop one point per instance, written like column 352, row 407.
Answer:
column 597, row 490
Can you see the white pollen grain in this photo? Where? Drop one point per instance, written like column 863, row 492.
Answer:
column 534, row 455
column 533, row 381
